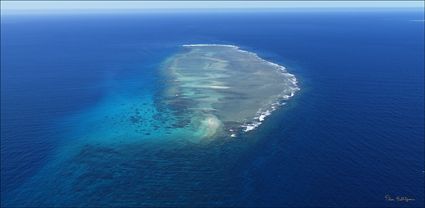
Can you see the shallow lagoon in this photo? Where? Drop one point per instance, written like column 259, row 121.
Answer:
column 227, row 90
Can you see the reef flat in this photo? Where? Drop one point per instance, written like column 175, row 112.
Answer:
column 223, row 90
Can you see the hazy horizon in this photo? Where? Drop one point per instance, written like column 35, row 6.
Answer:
column 54, row 6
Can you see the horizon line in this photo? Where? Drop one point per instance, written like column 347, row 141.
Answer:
column 49, row 6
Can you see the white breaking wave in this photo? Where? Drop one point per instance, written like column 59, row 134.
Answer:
column 260, row 117
column 262, row 114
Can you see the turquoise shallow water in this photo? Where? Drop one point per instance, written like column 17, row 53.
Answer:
column 83, row 123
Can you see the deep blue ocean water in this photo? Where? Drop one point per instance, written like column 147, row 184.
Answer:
column 353, row 134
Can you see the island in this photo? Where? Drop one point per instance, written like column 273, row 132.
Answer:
column 222, row 90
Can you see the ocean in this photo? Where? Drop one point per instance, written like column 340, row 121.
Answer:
column 352, row 136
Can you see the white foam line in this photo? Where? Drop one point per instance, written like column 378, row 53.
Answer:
column 261, row 114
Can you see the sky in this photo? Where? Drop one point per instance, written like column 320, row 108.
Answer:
column 123, row 5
